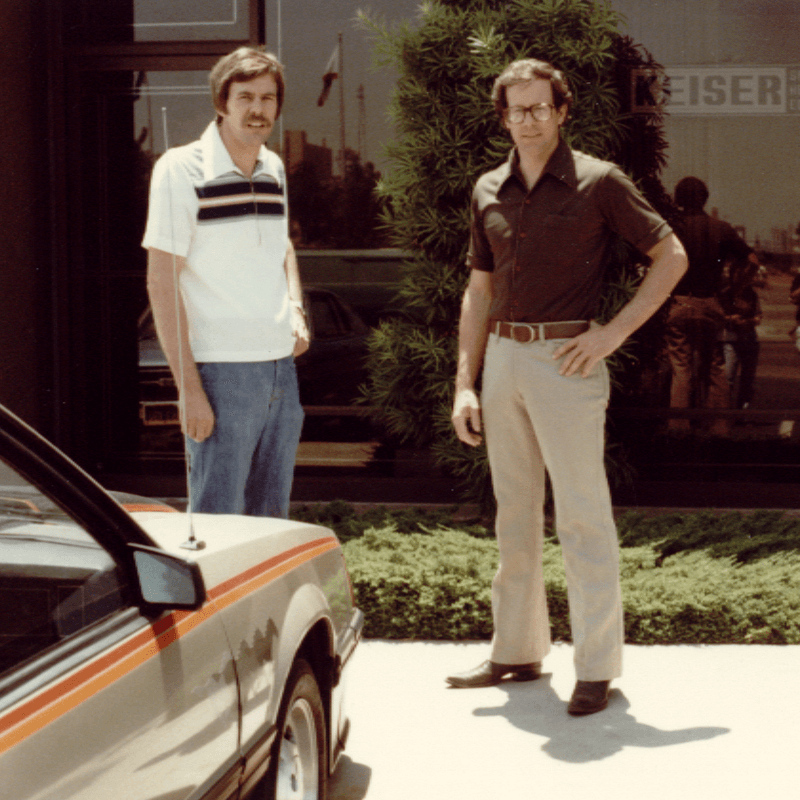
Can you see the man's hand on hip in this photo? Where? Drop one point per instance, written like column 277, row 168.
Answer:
column 584, row 351
column 197, row 417
column 467, row 417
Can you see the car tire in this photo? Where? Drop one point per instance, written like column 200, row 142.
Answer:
column 299, row 764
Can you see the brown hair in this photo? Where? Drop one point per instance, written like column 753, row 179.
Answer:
column 243, row 64
column 528, row 69
column 691, row 194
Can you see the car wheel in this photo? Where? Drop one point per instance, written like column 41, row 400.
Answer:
column 299, row 767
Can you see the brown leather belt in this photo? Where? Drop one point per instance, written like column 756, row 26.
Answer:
column 525, row 332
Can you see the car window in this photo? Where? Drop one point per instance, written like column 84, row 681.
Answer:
column 326, row 322
column 55, row 579
column 354, row 323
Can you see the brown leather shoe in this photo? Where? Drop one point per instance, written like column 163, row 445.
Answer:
column 589, row 697
column 491, row 673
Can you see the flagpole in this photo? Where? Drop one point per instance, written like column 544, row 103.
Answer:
column 342, row 156
column 280, row 60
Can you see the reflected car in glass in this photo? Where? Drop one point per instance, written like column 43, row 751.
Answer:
column 329, row 372
column 147, row 654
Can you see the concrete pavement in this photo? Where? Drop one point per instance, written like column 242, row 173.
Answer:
column 686, row 722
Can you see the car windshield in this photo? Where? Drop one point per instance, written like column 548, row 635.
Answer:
column 55, row 578
column 24, row 510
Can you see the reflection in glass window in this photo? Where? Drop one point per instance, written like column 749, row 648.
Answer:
column 55, row 580
column 733, row 120
column 326, row 322
column 155, row 20
column 170, row 106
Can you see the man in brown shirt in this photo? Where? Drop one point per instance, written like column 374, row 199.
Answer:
column 542, row 224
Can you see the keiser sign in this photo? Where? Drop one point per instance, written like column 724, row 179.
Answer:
column 717, row 91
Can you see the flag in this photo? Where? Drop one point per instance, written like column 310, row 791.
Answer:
column 331, row 73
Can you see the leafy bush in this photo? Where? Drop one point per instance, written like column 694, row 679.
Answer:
column 448, row 134
column 348, row 523
column 696, row 598
column 686, row 578
column 743, row 537
column 423, row 585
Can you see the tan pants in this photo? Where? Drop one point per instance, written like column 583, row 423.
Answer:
column 534, row 420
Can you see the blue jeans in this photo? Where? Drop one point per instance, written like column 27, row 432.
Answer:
column 247, row 464
column 741, row 348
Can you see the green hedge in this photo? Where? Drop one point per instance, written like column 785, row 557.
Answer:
column 423, row 585
column 348, row 523
column 686, row 578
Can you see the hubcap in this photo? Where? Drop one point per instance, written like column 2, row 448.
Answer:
column 298, row 766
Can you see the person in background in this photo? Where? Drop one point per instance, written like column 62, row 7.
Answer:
column 742, row 309
column 231, row 327
column 695, row 320
column 794, row 296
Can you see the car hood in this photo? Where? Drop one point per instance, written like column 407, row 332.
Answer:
column 235, row 544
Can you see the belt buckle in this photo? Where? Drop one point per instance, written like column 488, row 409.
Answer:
column 531, row 329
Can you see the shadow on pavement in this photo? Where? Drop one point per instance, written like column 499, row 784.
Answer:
column 539, row 710
column 349, row 781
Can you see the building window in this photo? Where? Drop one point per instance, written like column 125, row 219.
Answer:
column 104, row 22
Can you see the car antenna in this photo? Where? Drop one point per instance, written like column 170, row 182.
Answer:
column 192, row 543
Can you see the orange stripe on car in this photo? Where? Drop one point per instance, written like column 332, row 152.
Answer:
column 55, row 701
column 249, row 580
column 131, row 507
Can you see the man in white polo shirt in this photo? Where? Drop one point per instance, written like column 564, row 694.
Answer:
column 218, row 224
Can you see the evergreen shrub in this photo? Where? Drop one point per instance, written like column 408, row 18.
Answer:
column 423, row 585
column 347, row 523
column 698, row 578
column 447, row 136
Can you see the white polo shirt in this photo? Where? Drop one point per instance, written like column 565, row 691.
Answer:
column 233, row 232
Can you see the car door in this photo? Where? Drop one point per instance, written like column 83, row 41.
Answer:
column 96, row 699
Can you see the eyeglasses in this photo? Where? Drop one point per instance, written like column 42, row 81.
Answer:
column 541, row 112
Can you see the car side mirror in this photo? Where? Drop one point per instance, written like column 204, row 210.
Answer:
column 167, row 581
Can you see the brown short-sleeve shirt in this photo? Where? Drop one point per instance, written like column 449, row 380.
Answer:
column 547, row 248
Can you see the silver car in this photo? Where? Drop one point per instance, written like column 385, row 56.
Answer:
column 147, row 654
